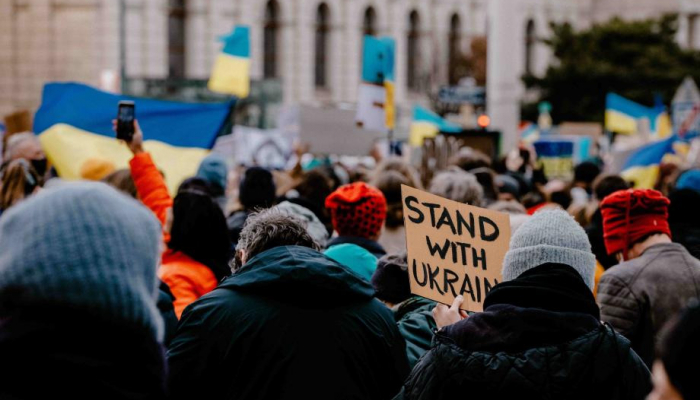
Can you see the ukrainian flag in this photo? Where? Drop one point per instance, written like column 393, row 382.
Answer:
column 378, row 69
column 74, row 124
column 427, row 124
column 231, row 72
column 642, row 166
column 621, row 116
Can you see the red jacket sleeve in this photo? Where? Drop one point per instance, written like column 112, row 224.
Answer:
column 150, row 185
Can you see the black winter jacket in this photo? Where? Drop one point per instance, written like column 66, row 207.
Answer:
column 291, row 324
column 55, row 352
column 538, row 337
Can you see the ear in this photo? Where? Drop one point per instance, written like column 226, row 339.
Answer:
column 243, row 256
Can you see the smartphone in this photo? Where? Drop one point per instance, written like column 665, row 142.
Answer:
column 125, row 120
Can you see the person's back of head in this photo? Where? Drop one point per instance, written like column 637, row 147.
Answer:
column 214, row 170
column 675, row 372
column 267, row 229
column 487, row 179
column 606, row 184
column 468, row 159
column 83, row 246
column 389, row 183
column 550, row 237
column 390, row 279
column 19, row 180
column 459, row 186
column 632, row 216
column 585, row 173
column 123, row 181
column 257, row 189
column 199, row 228
column 358, row 210
column 397, row 164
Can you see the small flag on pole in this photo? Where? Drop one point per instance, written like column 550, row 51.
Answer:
column 231, row 72
column 426, row 124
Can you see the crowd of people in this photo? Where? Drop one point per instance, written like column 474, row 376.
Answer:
column 259, row 284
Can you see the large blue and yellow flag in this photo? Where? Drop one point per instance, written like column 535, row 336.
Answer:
column 642, row 166
column 621, row 116
column 231, row 71
column 427, row 124
column 74, row 124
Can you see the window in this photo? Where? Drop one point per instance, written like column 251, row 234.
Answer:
column 322, row 29
column 176, row 39
column 271, row 39
column 413, row 56
column 369, row 22
column 692, row 21
column 530, row 41
column 453, row 50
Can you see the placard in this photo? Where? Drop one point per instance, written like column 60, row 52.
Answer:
column 453, row 248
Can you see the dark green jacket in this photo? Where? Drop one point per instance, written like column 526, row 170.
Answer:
column 414, row 317
column 291, row 324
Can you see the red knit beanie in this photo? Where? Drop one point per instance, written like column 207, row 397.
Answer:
column 357, row 209
column 631, row 215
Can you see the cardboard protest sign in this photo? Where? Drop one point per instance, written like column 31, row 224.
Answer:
column 453, row 248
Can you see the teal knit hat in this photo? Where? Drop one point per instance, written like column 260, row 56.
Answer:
column 85, row 246
column 550, row 236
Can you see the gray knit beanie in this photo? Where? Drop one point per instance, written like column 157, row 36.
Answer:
column 84, row 245
column 550, row 236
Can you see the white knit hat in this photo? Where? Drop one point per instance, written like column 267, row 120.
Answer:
column 550, row 236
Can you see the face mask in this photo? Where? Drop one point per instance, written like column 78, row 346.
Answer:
column 39, row 166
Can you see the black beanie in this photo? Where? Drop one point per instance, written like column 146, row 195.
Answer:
column 390, row 279
column 681, row 350
column 257, row 189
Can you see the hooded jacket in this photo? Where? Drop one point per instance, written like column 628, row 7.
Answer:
column 538, row 337
column 290, row 324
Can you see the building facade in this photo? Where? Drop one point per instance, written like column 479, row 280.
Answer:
column 312, row 47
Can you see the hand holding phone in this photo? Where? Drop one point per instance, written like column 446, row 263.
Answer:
column 125, row 121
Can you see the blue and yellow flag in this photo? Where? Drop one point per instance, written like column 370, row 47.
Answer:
column 427, row 124
column 378, row 69
column 74, row 124
column 642, row 166
column 621, row 116
column 231, row 72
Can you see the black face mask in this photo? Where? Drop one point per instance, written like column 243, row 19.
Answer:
column 40, row 166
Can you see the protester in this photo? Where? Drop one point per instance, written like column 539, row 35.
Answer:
column 655, row 279
column 355, row 258
column 18, row 181
column 358, row 211
column 675, row 369
column 256, row 191
column 684, row 220
column 508, row 188
column 313, row 225
column 198, row 246
column 487, row 179
column 539, row 335
column 214, row 171
column 603, row 186
column 26, row 145
column 402, row 167
column 78, row 316
column 413, row 314
column 290, row 323
column 458, row 186
column 121, row 180
column 311, row 192
column 393, row 236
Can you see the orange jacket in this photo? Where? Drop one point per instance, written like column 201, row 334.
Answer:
column 187, row 278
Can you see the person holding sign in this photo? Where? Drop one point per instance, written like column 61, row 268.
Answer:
column 540, row 334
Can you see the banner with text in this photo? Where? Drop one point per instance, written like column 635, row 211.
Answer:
column 453, row 248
